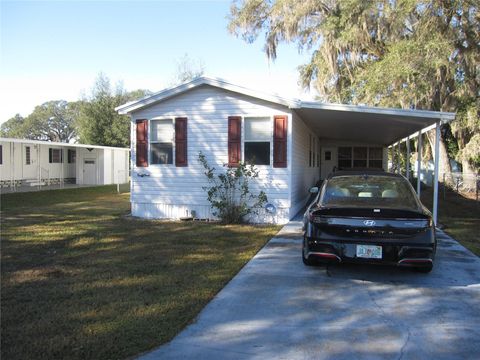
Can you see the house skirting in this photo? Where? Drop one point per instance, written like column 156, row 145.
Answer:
column 175, row 212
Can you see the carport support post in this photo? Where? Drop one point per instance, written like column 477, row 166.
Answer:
column 435, row 179
column 419, row 161
column 407, row 170
column 399, row 171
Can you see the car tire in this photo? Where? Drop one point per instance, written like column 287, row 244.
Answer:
column 424, row 269
column 307, row 261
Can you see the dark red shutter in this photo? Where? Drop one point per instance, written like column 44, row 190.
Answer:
column 142, row 143
column 280, row 141
column 234, row 140
column 181, row 158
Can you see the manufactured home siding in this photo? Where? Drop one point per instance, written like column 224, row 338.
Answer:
column 14, row 167
column 167, row 191
column 303, row 176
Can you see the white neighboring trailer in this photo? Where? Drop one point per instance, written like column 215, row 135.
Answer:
column 37, row 163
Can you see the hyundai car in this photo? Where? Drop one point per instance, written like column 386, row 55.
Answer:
column 370, row 217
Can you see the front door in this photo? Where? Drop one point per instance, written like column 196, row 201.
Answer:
column 89, row 172
column 30, row 162
column 329, row 161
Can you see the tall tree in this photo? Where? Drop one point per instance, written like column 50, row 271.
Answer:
column 407, row 53
column 14, row 127
column 99, row 123
column 187, row 69
column 51, row 121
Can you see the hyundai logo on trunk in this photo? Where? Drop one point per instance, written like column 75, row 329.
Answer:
column 369, row 223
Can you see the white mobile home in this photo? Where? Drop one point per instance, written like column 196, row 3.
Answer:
column 294, row 143
column 31, row 162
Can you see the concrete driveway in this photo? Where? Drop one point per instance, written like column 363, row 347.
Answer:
column 277, row 308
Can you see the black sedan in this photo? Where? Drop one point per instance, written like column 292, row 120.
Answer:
column 368, row 217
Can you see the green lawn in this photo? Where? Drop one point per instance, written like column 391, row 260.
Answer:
column 459, row 215
column 82, row 280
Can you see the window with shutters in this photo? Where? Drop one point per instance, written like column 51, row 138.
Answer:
column 161, row 141
column 28, row 159
column 257, row 140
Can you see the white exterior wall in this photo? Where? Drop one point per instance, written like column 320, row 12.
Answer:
column 119, row 166
column 303, row 176
column 14, row 165
column 167, row 191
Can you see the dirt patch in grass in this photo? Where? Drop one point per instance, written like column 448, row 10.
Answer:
column 459, row 215
column 80, row 281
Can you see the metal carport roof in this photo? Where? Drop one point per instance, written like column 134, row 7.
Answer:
column 366, row 124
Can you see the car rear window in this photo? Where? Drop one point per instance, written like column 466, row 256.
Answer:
column 369, row 191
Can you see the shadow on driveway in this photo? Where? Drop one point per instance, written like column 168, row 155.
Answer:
column 278, row 308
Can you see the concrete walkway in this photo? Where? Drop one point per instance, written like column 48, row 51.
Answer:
column 277, row 308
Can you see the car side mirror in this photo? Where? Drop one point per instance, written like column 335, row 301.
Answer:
column 314, row 190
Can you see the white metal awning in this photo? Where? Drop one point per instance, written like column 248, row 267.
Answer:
column 364, row 124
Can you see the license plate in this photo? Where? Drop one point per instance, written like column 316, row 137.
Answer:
column 369, row 251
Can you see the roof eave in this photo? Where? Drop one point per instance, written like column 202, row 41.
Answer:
column 216, row 82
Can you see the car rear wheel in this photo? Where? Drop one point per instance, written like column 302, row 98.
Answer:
column 307, row 261
column 424, row 269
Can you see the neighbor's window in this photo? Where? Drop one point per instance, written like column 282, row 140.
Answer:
column 161, row 141
column 258, row 134
column 55, row 156
column 72, row 156
column 1, row 154
column 27, row 155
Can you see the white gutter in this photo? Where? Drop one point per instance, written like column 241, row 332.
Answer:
column 445, row 116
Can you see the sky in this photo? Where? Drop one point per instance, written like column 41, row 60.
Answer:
column 53, row 50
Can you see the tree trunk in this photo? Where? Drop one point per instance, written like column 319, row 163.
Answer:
column 444, row 164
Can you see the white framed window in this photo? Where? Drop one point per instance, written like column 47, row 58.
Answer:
column 375, row 157
column 318, row 153
column 360, row 157
column 28, row 159
column 314, row 151
column 257, row 140
column 161, row 141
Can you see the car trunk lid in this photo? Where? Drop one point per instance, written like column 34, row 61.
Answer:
column 370, row 222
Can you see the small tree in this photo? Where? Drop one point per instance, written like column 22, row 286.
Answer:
column 229, row 193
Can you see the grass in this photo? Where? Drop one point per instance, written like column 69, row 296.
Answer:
column 81, row 280
column 459, row 215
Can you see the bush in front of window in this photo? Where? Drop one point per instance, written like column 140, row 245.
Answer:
column 229, row 193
